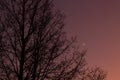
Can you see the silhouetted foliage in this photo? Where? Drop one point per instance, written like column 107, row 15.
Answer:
column 94, row 74
column 33, row 43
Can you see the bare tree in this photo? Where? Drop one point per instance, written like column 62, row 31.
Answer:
column 33, row 45
column 94, row 74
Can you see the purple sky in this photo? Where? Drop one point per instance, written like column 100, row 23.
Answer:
column 97, row 24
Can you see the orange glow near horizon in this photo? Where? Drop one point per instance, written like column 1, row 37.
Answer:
column 97, row 25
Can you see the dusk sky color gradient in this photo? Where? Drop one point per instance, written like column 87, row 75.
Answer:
column 96, row 23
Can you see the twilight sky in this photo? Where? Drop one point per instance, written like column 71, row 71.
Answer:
column 96, row 23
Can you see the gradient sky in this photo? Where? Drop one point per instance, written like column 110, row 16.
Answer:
column 97, row 24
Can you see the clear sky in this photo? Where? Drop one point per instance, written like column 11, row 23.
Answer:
column 97, row 24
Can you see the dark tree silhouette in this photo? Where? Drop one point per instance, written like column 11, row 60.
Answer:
column 33, row 44
column 94, row 74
